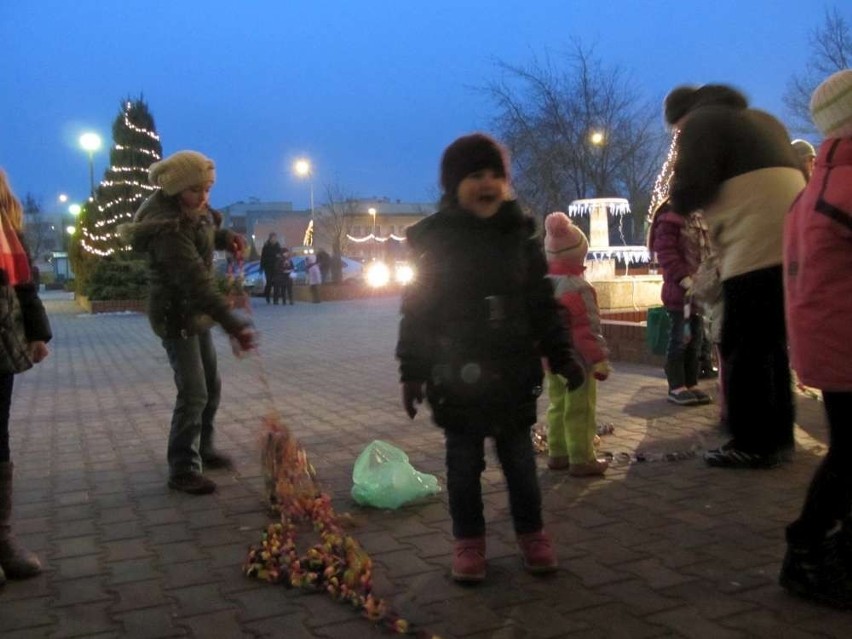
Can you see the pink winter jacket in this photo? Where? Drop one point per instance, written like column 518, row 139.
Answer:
column 818, row 272
column 578, row 297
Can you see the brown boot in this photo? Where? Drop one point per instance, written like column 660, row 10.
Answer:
column 15, row 561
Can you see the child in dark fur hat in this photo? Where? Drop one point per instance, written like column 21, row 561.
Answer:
column 475, row 323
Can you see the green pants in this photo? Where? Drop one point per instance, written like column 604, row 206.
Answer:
column 571, row 423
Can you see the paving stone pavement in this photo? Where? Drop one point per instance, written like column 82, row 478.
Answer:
column 654, row 549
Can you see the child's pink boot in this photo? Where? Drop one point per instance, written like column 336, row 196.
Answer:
column 537, row 552
column 469, row 559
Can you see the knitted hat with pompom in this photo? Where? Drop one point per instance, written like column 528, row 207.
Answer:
column 564, row 242
column 831, row 105
column 182, row 170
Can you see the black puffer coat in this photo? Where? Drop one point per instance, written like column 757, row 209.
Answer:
column 479, row 316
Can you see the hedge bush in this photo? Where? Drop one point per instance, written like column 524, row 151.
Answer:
column 117, row 280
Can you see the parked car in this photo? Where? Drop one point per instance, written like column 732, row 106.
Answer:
column 254, row 280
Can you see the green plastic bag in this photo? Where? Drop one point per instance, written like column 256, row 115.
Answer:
column 384, row 478
column 657, row 330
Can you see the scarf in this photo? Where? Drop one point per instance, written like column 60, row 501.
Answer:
column 13, row 257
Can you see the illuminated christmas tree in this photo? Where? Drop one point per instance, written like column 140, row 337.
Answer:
column 136, row 146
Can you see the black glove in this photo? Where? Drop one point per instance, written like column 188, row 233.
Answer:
column 412, row 393
column 574, row 373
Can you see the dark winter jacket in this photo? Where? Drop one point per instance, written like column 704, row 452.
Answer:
column 184, row 298
column 479, row 316
column 737, row 165
column 28, row 313
column 269, row 256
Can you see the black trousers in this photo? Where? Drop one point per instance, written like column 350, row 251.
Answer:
column 269, row 277
column 7, row 382
column 829, row 498
column 465, row 463
column 757, row 379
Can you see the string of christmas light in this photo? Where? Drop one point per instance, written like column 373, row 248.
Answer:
column 124, row 186
column 371, row 237
column 664, row 178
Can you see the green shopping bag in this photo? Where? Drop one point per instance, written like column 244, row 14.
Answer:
column 657, row 330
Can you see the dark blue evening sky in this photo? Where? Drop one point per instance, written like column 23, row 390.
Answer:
column 370, row 90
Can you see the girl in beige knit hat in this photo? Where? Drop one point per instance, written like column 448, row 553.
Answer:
column 178, row 231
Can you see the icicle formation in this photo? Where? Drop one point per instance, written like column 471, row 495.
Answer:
column 664, row 178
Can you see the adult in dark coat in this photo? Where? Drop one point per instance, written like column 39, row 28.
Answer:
column 737, row 165
column 269, row 262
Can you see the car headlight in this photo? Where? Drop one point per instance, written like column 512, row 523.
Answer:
column 404, row 274
column 378, row 274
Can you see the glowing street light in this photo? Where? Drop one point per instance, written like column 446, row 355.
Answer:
column 372, row 212
column 63, row 198
column 302, row 167
column 597, row 138
column 91, row 142
column 75, row 209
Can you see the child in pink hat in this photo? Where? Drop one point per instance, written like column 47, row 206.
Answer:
column 571, row 415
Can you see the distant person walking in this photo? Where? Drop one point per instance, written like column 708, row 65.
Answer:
column 314, row 277
column 818, row 279
column 474, row 326
column 807, row 156
column 178, row 232
column 737, row 165
column 284, row 273
column 268, row 261
column 26, row 331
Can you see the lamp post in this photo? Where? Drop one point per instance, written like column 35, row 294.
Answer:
column 74, row 210
column 303, row 169
column 91, row 142
column 372, row 212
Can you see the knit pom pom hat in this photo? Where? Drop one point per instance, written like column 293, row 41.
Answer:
column 469, row 154
column 803, row 149
column 564, row 242
column 831, row 105
column 182, row 170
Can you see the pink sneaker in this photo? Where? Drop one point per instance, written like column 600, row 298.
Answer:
column 469, row 559
column 537, row 552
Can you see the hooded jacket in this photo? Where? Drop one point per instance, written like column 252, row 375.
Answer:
column 479, row 316
column 184, row 298
column 817, row 265
column 736, row 164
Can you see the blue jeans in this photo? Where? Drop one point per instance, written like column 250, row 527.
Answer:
column 465, row 463
column 193, row 360
column 682, row 359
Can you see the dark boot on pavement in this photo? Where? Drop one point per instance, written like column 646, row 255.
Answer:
column 818, row 570
column 16, row 562
column 192, row 483
column 214, row 459
column 469, row 559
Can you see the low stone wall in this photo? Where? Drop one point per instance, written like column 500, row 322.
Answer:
column 110, row 306
column 624, row 331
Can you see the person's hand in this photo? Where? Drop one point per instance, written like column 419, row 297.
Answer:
column 238, row 245
column 412, row 394
column 37, row 351
column 573, row 373
column 602, row 370
column 243, row 341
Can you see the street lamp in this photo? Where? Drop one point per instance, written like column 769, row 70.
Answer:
column 71, row 229
column 303, row 169
column 372, row 212
column 91, row 142
column 597, row 138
